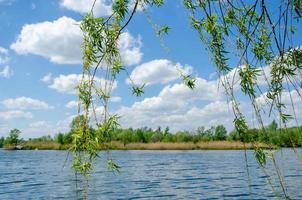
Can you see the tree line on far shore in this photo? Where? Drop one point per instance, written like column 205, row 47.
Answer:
column 270, row 135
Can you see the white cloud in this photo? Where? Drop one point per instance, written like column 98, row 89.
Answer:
column 263, row 79
column 115, row 99
column 47, row 78
column 215, row 113
column 130, row 49
column 288, row 98
column 24, row 103
column 4, row 58
column 6, row 72
column 60, row 40
column 68, row 83
column 15, row 114
column 101, row 7
column 180, row 108
column 204, row 90
column 265, row 76
column 157, row 71
column 72, row 104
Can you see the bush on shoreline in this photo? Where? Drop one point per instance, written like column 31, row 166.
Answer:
column 271, row 136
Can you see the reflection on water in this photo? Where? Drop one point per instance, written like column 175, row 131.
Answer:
column 148, row 175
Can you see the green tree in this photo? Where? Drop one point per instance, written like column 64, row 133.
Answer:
column 157, row 137
column 13, row 137
column 202, row 134
column 1, row 142
column 140, row 135
column 182, row 137
column 220, row 133
column 169, row 138
column 210, row 132
column 60, row 138
column 126, row 136
column 272, row 126
column 67, row 139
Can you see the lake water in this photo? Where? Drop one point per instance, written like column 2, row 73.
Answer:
column 148, row 175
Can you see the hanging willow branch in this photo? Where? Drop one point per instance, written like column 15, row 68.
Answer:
column 101, row 65
column 262, row 37
column 246, row 29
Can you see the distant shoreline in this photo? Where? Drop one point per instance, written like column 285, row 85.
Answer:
column 211, row 145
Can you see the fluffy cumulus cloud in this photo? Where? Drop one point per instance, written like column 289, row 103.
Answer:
column 15, row 114
column 214, row 113
column 288, row 98
column 24, row 103
column 68, row 83
column 233, row 76
column 101, row 7
column 6, row 72
column 157, row 71
column 60, row 42
column 130, row 48
column 180, row 108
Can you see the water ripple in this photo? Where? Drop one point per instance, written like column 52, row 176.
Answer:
column 147, row 175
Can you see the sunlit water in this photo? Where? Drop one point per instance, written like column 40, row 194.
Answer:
column 148, row 175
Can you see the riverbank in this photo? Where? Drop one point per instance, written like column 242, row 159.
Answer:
column 211, row 145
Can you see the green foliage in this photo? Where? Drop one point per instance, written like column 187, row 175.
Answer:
column 154, row 2
column 297, row 5
column 77, row 122
column 189, row 81
column 117, row 67
column 248, row 77
column 138, row 90
column 256, row 37
column 120, row 7
column 271, row 135
column 260, row 156
column 220, row 133
column 163, row 30
column 60, row 138
column 13, row 137
column 272, row 127
column 2, row 142
column 288, row 137
column 112, row 165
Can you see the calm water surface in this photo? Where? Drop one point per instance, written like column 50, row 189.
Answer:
column 148, row 175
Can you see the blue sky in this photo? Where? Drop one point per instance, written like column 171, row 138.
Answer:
column 40, row 63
